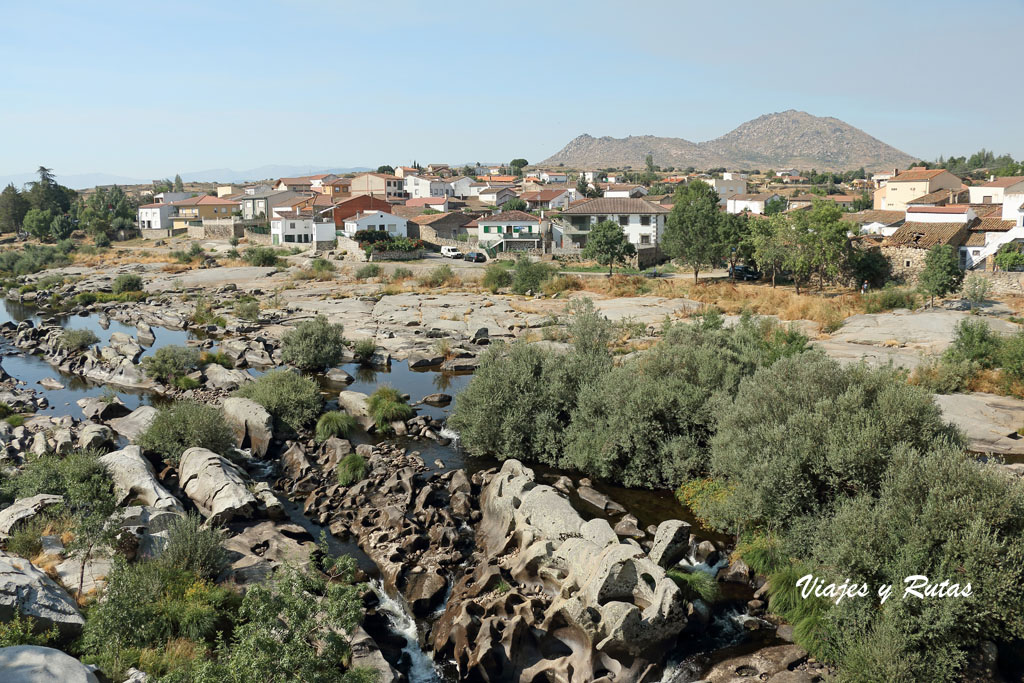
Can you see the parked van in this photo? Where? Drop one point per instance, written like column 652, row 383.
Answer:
column 451, row 252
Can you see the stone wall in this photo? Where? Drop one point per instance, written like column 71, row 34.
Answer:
column 1002, row 283
column 396, row 255
column 216, row 230
column 156, row 234
column 906, row 263
column 257, row 237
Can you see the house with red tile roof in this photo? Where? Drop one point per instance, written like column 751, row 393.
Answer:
column 508, row 231
column 995, row 189
column 915, row 182
column 436, row 203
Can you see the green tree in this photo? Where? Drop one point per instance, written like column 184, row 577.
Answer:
column 178, row 185
column 313, row 344
column 774, row 206
column 582, row 187
column 61, row 227
column 692, row 230
column 649, row 163
column 37, row 223
column 13, row 207
column 735, row 235
column 941, row 274
column 517, row 166
column 515, row 204
column 390, row 170
column 863, row 202
column 607, row 244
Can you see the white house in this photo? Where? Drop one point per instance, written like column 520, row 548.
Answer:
column 1013, row 206
column 496, row 196
column 874, row 222
column 508, row 230
column 396, row 226
column 460, row 187
column 727, row 187
column 951, row 213
column 419, row 186
column 995, row 189
column 302, row 228
column 616, row 190
column 642, row 221
column 436, row 203
column 155, row 216
column 557, row 198
column 754, row 203
column 171, row 197
column 554, row 176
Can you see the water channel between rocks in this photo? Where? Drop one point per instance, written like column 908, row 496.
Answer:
column 650, row 507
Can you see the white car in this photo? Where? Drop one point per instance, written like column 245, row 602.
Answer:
column 451, row 252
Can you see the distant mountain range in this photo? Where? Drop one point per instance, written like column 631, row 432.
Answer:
column 789, row 139
column 221, row 175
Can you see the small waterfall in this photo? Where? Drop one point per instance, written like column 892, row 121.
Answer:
column 450, row 434
column 422, row 669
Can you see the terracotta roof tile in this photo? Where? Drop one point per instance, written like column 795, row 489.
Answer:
column 613, row 205
column 917, row 173
column 1006, row 181
column 875, row 216
column 927, row 235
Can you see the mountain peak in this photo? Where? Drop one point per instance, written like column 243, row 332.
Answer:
column 790, row 138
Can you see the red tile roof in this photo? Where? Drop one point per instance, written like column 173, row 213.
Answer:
column 204, row 200
column 1006, row 181
column 917, row 173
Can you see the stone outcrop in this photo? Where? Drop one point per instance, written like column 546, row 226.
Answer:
column 768, row 664
column 24, row 509
column 251, row 423
column 554, row 597
column 215, row 485
column 132, row 425
column 355, row 404
column 218, row 377
column 134, row 479
column 26, row 589
column 35, row 664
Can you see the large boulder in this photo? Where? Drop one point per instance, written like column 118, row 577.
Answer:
column 26, row 589
column 125, row 345
column 251, row 423
column 134, row 479
column 218, row 377
column 94, row 436
column 35, row 664
column 24, row 509
column 99, row 408
column 355, row 404
column 215, row 485
column 764, row 664
column 131, row 426
column 671, row 543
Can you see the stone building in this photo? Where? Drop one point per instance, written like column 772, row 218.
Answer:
column 907, row 248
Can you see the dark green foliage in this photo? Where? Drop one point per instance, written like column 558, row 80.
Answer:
column 364, row 350
column 78, row 476
column 607, row 244
column 184, row 425
column 400, row 273
column 386, row 405
column 13, row 207
column 24, row 631
column 692, row 230
column 261, row 256
column 528, row 275
column 496, row 277
column 77, row 340
column 127, row 282
column 313, row 344
column 169, row 363
column 1009, row 257
column 334, row 423
column 351, row 469
column 293, row 400
column 974, row 340
column 367, row 271
column 515, row 204
column 194, row 548
column 889, row 298
column 945, row 375
column 941, row 274
column 31, row 259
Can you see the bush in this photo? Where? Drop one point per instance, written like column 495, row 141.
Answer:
column 79, row 477
column 23, row 630
column 32, row 259
column 889, row 298
column 170, row 363
column 496, row 277
column 293, row 400
column 439, row 277
column 974, row 340
column 204, row 314
column 186, row 383
column 351, row 469
column 400, row 273
column 186, row 424
column 313, row 344
column 364, row 350
column 194, row 548
column 365, row 272
column 322, row 268
column 528, row 275
column 946, row 375
column 386, row 405
column 261, row 256
column 127, row 282
column 334, row 423
column 15, row 420
column 217, row 358
column 77, row 340
column 247, row 310
column 85, row 298
column 102, row 240
column 561, row 283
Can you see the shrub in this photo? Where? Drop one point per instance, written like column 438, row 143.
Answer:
column 695, row 584
column 186, row 383
column 400, row 273
column 193, row 547
column 79, row 477
column 85, row 298
column 1011, row 355
column 976, row 288
column 15, row 420
column 204, row 314
column 247, row 310
column 889, row 298
column 322, row 268
column 32, row 259
column 351, row 469
column 183, row 425
column 77, row 340
column 169, row 363
column 334, row 423
column 313, row 344
column 366, row 271
column 496, row 277
column 24, row 630
column 293, row 400
column 127, row 282
column 386, row 405
column 528, row 275
column 364, row 350
column 946, row 375
column 261, row 256
column 217, row 358
column 439, row 277
column 561, row 283
column 102, row 240
column 975, row 341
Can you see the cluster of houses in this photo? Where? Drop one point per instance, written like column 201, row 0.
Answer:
column 912, row 210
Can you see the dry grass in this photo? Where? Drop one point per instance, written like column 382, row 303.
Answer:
column 995, row 382
column 829, row 309
column 117, row 257
column 177, row 268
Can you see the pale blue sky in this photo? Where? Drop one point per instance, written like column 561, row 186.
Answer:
column 146, row 89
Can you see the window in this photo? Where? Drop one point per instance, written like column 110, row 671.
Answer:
column 906, row 264
column 291, row 226
column 645, row 239
column 623, row 220
column 602, row 219
column 987, row 199
column 645, row 220
column 289, row 238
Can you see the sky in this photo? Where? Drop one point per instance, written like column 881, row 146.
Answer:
column 145, row 90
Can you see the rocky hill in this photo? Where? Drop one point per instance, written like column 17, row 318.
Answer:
column 786, row 139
